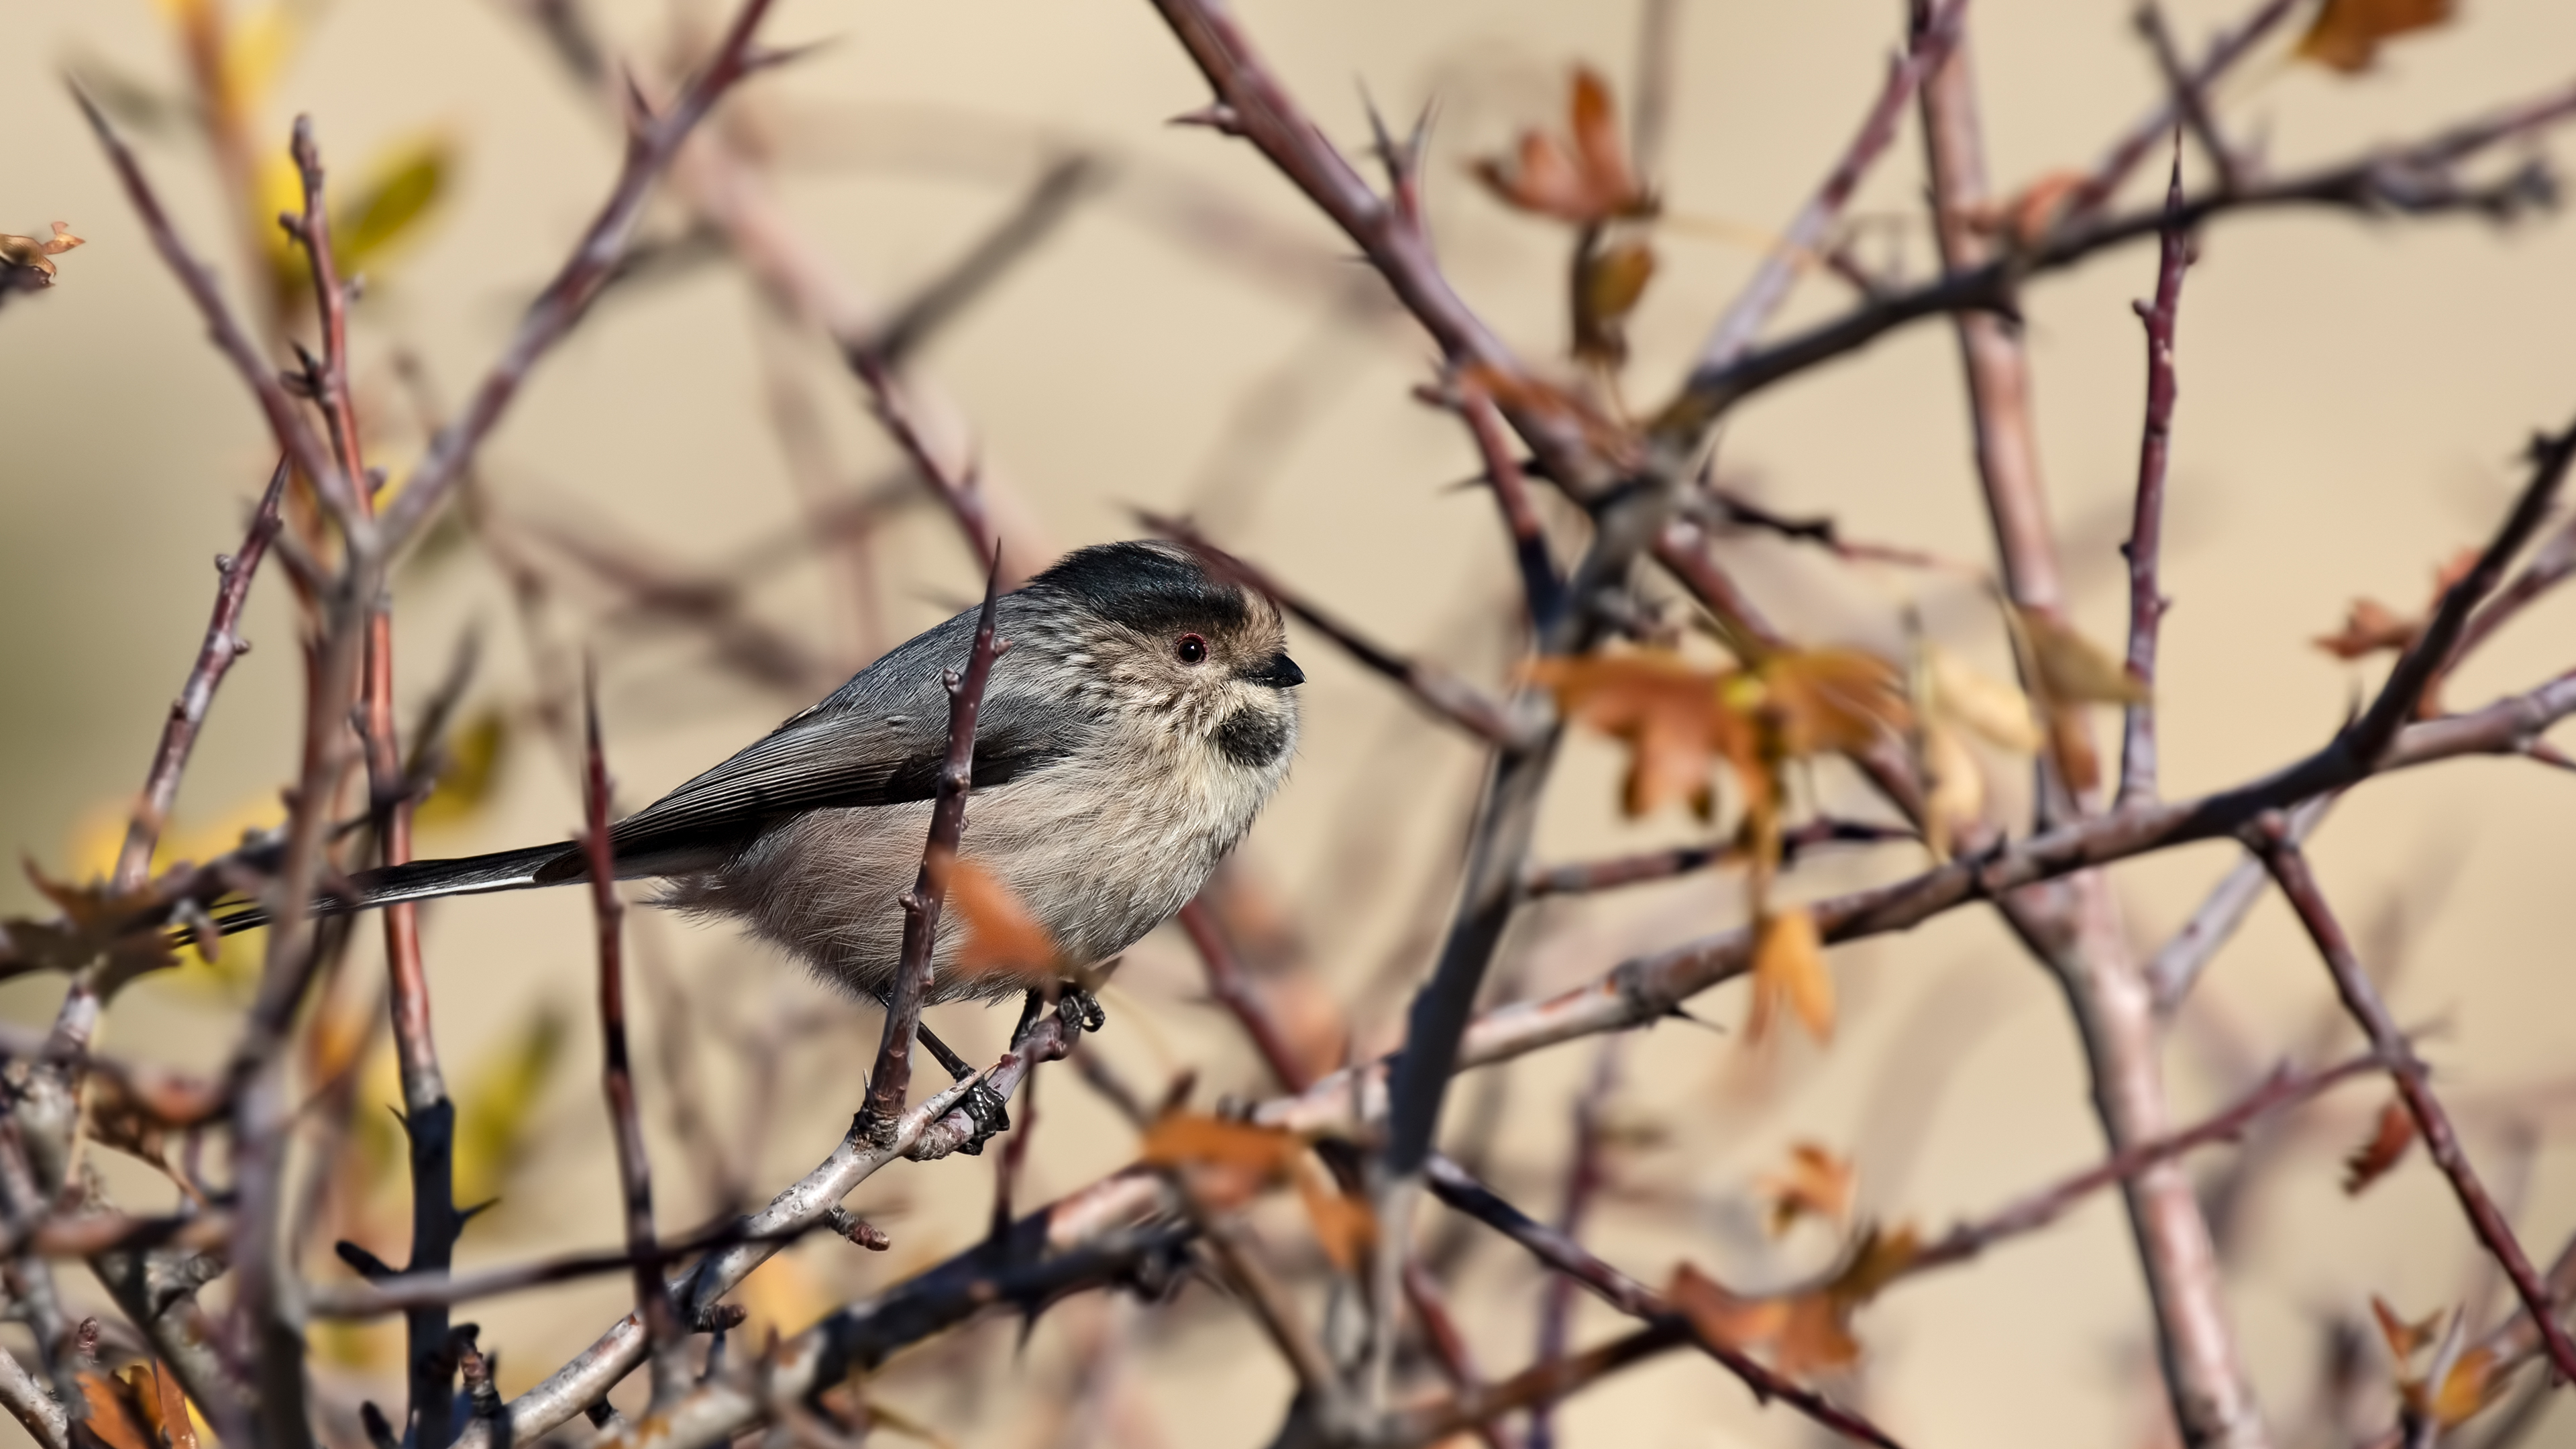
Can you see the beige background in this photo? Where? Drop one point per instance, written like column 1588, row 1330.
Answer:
column 2353, row 398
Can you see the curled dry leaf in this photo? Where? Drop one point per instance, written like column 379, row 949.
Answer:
column 2389, row 1139
column 1612, row 281
column 35, row 256
column 2369, row 627
column 2347, row 34
column 1824, row 700
column 1582, row 177
column 1805, row 1330
column 2073, row 669
column 1789, row 969
column 2032, row 212
column 1816, row 1183
column 1231, row 1161
column 2470, row 1385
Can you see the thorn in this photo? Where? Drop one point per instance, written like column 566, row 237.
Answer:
column 368, row 1265
column 1215, row 115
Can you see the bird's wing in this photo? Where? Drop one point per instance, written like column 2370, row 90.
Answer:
column 826, row 759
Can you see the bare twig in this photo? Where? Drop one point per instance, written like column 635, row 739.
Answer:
column 651, row 142
column 1235, row 991
column 1448, row 1345
column 665, row 1337
column 35, row 1410
column 891, row 1083
column 2289, row 866
column 1655, row 865
column 2225, row 50
column 215, row 657
column 1584, row 1178
column 2189, row 98
column 2178, row 963
column 1542, row 589
column 1754, row 307
column 1046, row 206
column 2145, row 546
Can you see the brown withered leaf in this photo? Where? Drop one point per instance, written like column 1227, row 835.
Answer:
column 1816, row 1183
column 2389, row 1139
column 116, row 1418
column 1519, row 392
column 37, row 255
column 1001, row 935
column 1824, row 700
column 1805, row 1330
column 162, row 1411
column 2370, row 626
column 1232, row 1160
column 1582, row 177
column 2403, row 1338
column 1613, row 281
column 1344, row 1226
column 91, row 929
column 2347, row 34
column 2075, row 670
column 1789, row 970
column 1667, row 710
column 2032, row 212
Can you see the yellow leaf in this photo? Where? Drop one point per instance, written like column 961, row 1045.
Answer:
column 256, row 49
column 467, row 774
column 2347, row 33
column 1955, row 797
column 1789, row 969
column 2468, row 1387
column 1994, row 710
column 497, row 1103
column 1815, row 1183
column 2074, row 669
column 1612, row 282
column 400, row 188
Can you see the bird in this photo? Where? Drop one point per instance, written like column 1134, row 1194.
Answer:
column 1139, row 718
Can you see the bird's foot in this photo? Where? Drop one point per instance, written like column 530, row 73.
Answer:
column 1081, row 1010
column 985, row 1108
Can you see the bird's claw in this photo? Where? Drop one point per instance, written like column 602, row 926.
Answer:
column 985, row 1108
column 1081, row 1010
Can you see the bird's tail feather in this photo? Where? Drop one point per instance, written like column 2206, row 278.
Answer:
column 421, row 880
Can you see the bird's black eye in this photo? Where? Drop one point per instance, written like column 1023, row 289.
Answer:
column 1191, row 650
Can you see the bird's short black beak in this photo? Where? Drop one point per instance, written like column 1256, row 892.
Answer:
column 1278, row 671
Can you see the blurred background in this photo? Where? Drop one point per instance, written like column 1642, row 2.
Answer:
column 693, row 491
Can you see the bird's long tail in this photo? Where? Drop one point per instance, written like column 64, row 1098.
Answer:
column 421, row 880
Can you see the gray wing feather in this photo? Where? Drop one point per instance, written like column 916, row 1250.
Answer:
column 878, row 740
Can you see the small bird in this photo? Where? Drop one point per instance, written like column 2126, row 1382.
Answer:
column 1137, row 722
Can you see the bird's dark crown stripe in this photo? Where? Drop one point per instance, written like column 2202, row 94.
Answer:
column 1152, row 587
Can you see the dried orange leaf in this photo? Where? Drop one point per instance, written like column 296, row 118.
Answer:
column 2031, row 213
column 2074, row 669
column 1001, row 935
column 1519, row 392
column 2368, row 627
column 1183, row 1138
column 2468, row 1387
column 2347, row 33
column 2388, row 1142
column 1815, row 1333
column 113, row 1417
column 37, row 255
column 1719, row 1316
column 1583, row 178
column 1668, row 711
column 1815, row 1183
column 1344, row 1226
column 1832, row 699
column 1789, row 969
column 1879, row 1259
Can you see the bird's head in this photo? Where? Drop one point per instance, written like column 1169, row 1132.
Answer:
column 1169, row 639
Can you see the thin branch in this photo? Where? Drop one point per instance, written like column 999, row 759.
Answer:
column 1538, row 1385
column 223, row 645
column 2189, row 98
column 1457, row 1188
column 1442, row 693
column 2279, row 1092
column 1233, row 989
column 651, row 143
column 1048, row 203
column 1585, row 1176
column 2289, row 866
column 1542, row 588
column 665, row 1339
column 2145, row 546
column 2176, row 965
column 891, row 1083
column 2416, row 180
column 2416, row 669
column 2550, row 566
column 1762, row 297
column 1654, row 865
column 2225, row 50
column 1448, row 1345
column 35, row 1410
